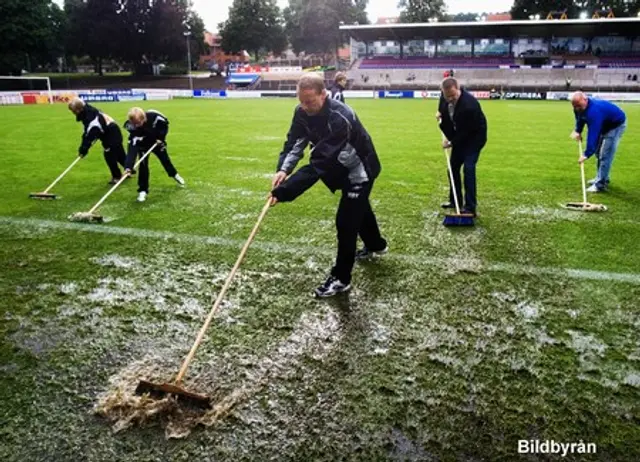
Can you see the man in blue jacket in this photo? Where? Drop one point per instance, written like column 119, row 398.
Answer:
column 606, row 123
column 343, row 158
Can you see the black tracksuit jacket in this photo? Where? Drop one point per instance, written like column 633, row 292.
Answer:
column 342, row 152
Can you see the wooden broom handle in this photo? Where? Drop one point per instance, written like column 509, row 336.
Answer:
column 453, row 185
column 221, row 295
column 124, row 177
column 584, row 183
column 78, row 159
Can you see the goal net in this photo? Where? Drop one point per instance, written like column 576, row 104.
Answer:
column 25, row 90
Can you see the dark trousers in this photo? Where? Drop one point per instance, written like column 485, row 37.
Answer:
column 355, row 218
column 468, row 159
column 143, row 169
column 113, row 150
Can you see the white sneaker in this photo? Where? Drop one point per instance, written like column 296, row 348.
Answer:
column 594, row 189
column 142, row 196
column 332, row 286
column 179, row 179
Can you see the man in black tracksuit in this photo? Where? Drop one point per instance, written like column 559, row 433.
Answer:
column 145, row 128
column 344, row 158
column 465, row 126
column 340, row 83
column 99, row 126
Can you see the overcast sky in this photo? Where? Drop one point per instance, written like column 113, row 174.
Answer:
column 216, row 11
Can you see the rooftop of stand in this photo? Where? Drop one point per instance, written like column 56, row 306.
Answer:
column 628, row 27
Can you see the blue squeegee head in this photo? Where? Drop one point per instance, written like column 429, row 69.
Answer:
column 458, row 220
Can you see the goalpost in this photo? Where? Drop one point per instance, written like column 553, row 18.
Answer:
column 11, row 77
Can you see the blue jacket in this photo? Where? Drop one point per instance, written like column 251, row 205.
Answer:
column 601, row 117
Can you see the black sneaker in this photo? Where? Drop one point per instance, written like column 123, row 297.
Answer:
column 365, row 254
column 448, row 205
column 331, row 287
column 114, row 180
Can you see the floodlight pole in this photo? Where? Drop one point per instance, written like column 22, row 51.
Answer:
column 187, row 35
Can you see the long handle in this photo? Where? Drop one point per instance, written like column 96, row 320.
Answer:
column 221, row 295
column 78, row 159
column 453, row 185
column 124, row 177
column 584, row 183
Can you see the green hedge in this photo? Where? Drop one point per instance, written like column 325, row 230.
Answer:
column 174, row 70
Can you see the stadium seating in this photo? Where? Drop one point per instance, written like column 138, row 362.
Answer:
column 421, row 62
column 604, row 79
column 617, row 61
column 612, row 73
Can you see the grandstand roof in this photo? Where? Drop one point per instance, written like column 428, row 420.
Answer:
column 539, row 28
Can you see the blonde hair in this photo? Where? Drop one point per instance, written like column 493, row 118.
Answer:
column 76, row 104
column 311, row 82
column 136, row 113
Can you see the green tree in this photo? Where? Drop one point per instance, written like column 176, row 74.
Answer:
column 292, row 15
column 195, row 24
column 173, row 25
column 422, row 10
column 255, row 26
column 621, row 8
column 30, row 34
column 522, row 9
column 313, row 26
column 55, row 48
column 464, row 17
column 153, row 31
column 93, row 29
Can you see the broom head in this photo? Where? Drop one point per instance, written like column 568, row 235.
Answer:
column 462, row 219
column 85, row 217
column 43, row 196
column 162, row 390
column 585, row 207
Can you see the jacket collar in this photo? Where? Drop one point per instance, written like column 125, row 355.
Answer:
column 325, row 107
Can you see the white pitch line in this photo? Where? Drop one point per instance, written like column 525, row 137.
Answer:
column 273, row 247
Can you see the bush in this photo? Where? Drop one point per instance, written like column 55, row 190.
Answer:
column 174, row 70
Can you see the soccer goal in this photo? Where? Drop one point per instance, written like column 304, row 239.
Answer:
column 11, row 84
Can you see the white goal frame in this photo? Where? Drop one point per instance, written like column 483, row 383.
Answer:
column 13, row 77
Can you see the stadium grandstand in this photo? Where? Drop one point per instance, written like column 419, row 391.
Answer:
column 600, row 54
column 527, row 56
